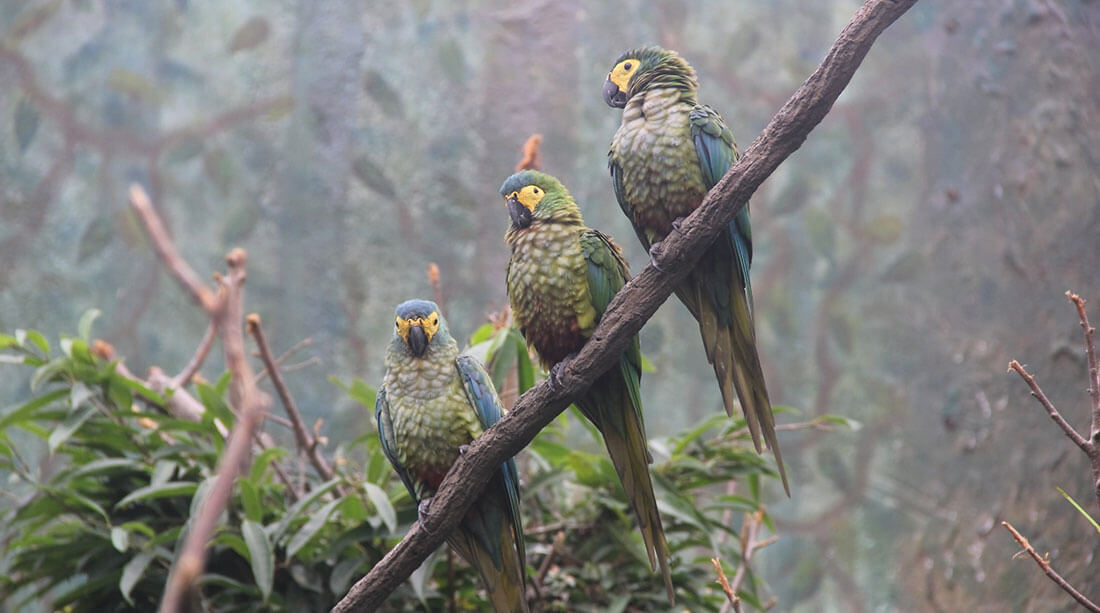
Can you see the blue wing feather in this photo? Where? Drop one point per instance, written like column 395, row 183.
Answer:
column 486, row 404
column 717, row 151
column 389, row 445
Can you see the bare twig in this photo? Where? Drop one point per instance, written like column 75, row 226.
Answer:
column 195, row 364
column 1044, row 563
column 731, row 594
column 305, row 342
column 1053, row 412
column 632, row 306
column 306, row 442
column 1090, row 358
column 166, row 249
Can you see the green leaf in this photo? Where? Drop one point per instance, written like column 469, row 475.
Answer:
column 26, row 123
column 848, row 422
column 525, row 370
column 343, row 573
column 309, row 530
column 1079, row 509
column 261, row 556
column 71, row 424
column 164, row 490
column 79, row 395
column 482, row 334
column 353, row 508
column 84, row 328
column 119, row 394
column 382, row 504
column 120, row 538
column 262, row 461
column 132, row 573
column 280, row 529
column 359, row 391
column 26, row 411
column 162, row 472
column 35, row 337
column 421, row 577
column 48, row 371
column 250, row 500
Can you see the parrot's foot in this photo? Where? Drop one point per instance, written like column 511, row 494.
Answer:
column 462, row 449
column 422, row 510
column 557, row 370
column 656, row 249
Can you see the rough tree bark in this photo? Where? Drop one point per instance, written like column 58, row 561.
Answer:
column 633, row 306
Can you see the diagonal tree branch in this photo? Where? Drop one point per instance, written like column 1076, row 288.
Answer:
column 1044, row 563
column 632, row 307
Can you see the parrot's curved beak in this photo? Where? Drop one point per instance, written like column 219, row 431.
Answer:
column 612, row 95
column 418, row 340
column 521, row 215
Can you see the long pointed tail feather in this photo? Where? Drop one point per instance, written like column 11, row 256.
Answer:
column 609, row 406
column 502, row 571
column 729, row 339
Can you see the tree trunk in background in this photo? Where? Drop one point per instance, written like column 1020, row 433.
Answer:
column 311, row 203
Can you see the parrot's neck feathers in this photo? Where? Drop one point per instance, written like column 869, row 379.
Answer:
column 671, row 72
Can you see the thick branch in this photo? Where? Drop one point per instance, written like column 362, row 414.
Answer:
column 632, row 307
column 1045, row 565
column 1053, row 412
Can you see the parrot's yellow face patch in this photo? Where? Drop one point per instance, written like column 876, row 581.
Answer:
column 429, row 324
column 529, row 196
column 621, row 73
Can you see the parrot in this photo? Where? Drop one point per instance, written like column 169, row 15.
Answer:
column 561, row 277
column 432, row 403
column 665, row 156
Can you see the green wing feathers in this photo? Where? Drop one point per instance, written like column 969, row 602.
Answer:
column 614, row 404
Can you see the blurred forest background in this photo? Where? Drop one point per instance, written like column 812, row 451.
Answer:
column 921, row 238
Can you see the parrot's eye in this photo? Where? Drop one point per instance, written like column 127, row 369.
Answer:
column 626, row 66
column 530, row 196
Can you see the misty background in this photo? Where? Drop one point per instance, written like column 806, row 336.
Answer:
column 920, row 239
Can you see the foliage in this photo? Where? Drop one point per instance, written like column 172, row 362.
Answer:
column 97, row 524
column 95, row 527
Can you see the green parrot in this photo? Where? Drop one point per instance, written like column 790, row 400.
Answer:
column 561, row 277
column 432, row 403
column 667, row 153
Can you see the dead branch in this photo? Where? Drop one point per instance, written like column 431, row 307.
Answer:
column 731, row 594
column 306, row 443
column 633, row 305
column 1053, row 412
column 1044, row 564
column 1091, row 446
column 1090, row 358
column 195, row 364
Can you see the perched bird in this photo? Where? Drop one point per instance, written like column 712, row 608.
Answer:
column 667, row 153
column 432, row 403
column 561, row 277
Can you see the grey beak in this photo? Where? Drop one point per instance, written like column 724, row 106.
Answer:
column 612, row 95
column 521, row 215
